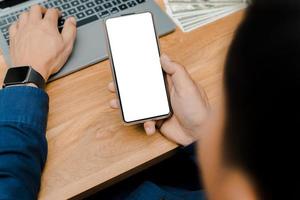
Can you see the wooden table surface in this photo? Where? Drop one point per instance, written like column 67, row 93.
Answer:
column 89, row 147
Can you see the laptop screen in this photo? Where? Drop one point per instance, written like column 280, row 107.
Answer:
column 9, row 3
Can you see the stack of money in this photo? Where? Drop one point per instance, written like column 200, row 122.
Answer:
column 192, row 14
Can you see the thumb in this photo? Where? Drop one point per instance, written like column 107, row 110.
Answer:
column 179, row 76
column 69, row 33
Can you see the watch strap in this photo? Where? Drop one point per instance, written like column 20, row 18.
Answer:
column 36, row 78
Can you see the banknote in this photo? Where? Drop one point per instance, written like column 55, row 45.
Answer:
column 205, row 1
column 191, row 14
column 196, row 12
column 203, row 15
column 191, row 25
column 193, row 19
column 183, row 8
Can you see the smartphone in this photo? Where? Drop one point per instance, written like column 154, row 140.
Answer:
column 135, row 61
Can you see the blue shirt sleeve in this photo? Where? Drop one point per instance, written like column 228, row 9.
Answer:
column 23, row 145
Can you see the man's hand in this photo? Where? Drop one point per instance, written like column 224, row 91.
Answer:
column 189, row 103
column 35, row 40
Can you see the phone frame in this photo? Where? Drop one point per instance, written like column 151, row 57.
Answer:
column 155, row 118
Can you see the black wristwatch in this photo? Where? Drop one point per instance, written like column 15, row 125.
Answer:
column 23, row 75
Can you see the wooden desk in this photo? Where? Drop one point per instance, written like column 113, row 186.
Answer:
column 89, row 148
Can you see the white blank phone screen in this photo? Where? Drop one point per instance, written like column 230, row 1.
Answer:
column 138, row 71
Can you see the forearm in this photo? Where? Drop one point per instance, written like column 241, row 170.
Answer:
column 23, row 145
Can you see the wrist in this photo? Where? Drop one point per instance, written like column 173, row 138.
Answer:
column 42, row 72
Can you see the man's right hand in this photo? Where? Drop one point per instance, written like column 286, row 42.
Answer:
column 189, row 103
column 36, row 41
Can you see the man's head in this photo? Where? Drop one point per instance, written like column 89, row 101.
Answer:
column 262, row 81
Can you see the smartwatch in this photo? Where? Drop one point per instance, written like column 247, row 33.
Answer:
column 23, row 75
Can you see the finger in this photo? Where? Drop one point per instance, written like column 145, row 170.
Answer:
column 68, row 36
column 179, row 76
column 13, row 30
column 114, row 104
column 36, row 13
column 173, row 131
column 23, row 19
column 203, row 95
column 150, row 127
column 159, row 124
column 111, row 87
column 170, row 83
column 52, row 16
column 69, row 33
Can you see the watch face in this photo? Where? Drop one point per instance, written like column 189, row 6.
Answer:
column 16, row 75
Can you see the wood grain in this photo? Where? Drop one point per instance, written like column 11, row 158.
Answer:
column 88, row 144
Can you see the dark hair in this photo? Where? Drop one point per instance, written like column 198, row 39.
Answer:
column 262, row 82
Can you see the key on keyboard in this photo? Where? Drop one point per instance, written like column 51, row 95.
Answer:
column 85, row 11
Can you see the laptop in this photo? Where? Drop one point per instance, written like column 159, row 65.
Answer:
column 90, row 43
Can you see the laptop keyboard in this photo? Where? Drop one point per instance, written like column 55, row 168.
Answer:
column 85, row 11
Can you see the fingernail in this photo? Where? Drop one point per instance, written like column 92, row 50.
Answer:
column 73, row 20
column 150, row 130
column 114, row 103
column 165, row 57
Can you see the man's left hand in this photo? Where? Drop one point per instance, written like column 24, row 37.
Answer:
column 36, row 41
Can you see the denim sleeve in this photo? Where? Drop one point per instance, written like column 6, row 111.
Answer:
column 23, row 145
